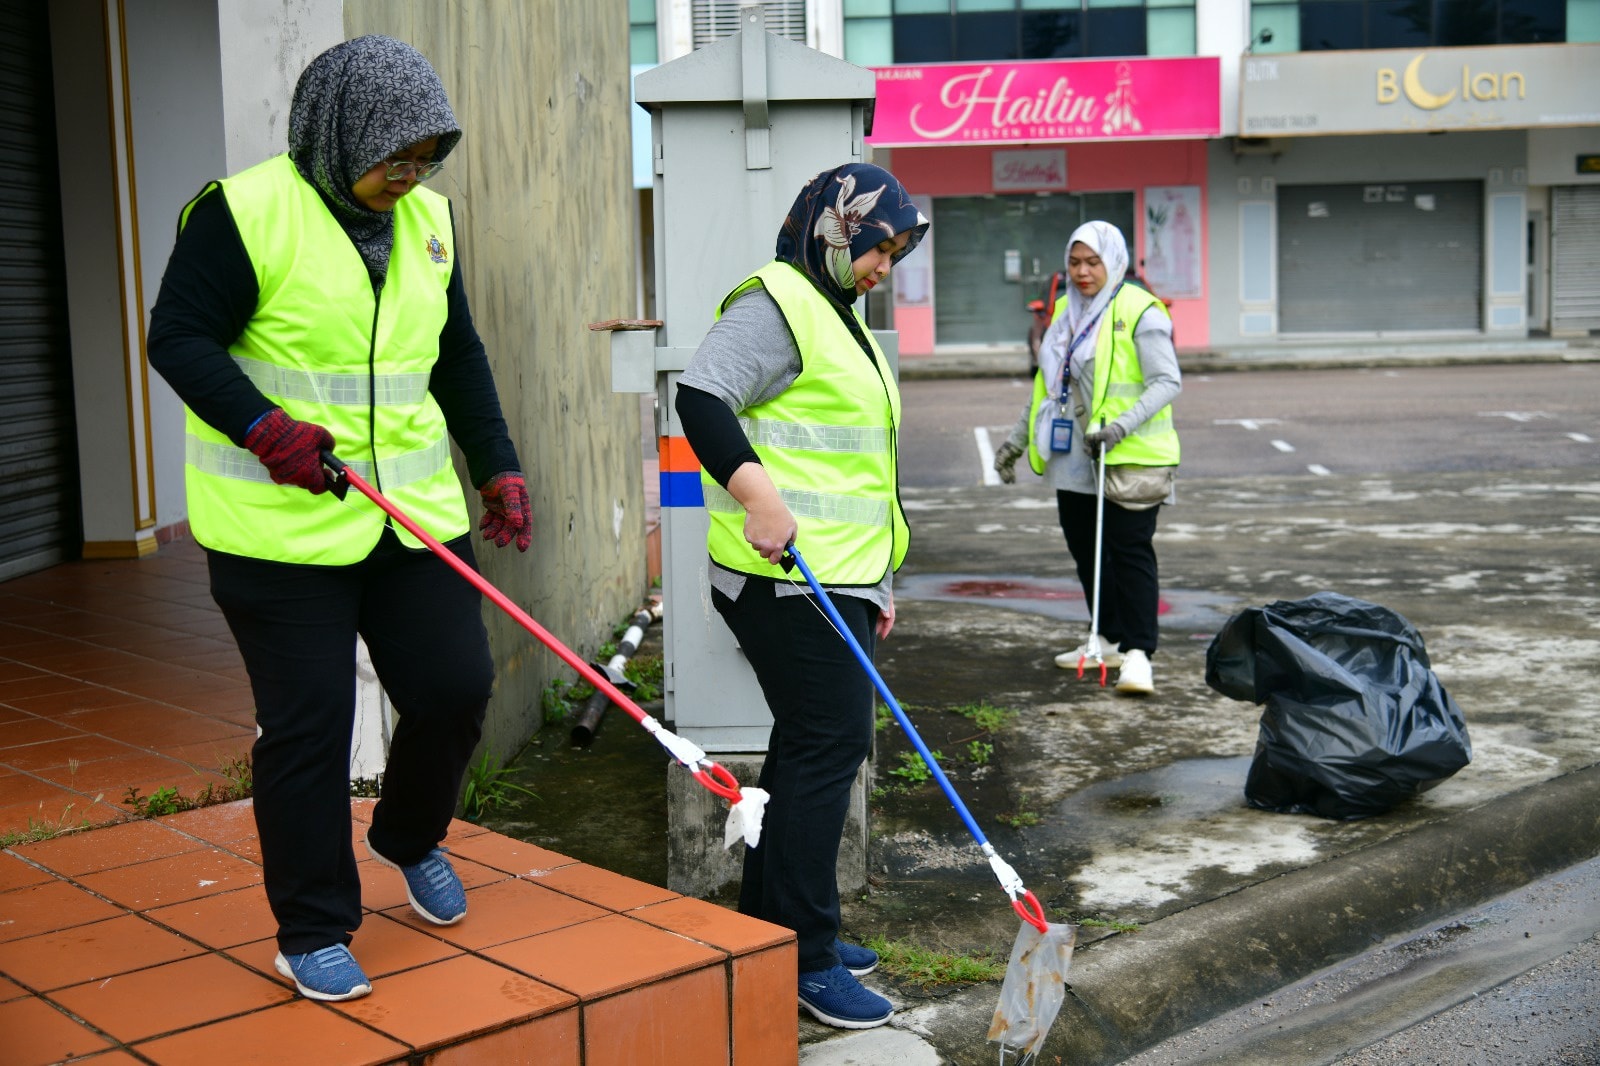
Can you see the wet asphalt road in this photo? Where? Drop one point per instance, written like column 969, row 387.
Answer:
column 1316, row 423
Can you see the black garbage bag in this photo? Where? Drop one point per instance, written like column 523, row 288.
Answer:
column 1355, row 720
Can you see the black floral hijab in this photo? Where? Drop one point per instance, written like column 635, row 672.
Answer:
column 840, row 215
column 355, row 105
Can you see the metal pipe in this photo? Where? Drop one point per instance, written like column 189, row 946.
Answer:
column 594, row 709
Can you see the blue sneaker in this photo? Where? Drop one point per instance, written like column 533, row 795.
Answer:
column 432, row 886
column 834, row 997
column 855, row 958
column 331, row 974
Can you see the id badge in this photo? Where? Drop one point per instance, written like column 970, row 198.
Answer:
column 1061, row 435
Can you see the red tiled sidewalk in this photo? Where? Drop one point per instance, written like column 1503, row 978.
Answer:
column 115, row 674
column 151, row 942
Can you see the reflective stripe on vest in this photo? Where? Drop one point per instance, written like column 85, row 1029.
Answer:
column 827, row 442
column 393, row 472
column 356, row 390
column 327, row 348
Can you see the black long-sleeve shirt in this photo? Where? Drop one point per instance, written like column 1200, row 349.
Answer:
column 208, row 295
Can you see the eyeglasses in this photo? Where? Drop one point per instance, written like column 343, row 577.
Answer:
column 401, row 169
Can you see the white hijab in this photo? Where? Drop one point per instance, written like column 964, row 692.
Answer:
column 1106, row 241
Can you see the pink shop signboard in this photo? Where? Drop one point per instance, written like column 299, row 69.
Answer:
column 1048, row 100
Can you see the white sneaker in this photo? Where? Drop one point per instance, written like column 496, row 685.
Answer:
column 1134, row 678
column 1068, row 660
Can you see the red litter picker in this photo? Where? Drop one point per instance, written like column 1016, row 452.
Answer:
column 747, row 805
column 1036, row 974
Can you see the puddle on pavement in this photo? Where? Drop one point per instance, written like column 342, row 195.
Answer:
column 1059, row 598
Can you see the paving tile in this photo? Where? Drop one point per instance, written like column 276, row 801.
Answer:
column 224, row 920
column 222, row 823
column 114, row 774
column 548, row 1041
column 90, row 952
column 116, row 845
column 43, row 684
column 37, row 1034
column 36, row 909
column 149, row 724
column 505, row 910
column 65, row 704
column 217, row 754
column 513, row 856
column 26, row 801
column 717, row 926
column 602, row 887
column 66, row 752
column 146, row 1003
column 605, row 956
column 444, row 1001
column 12, row 670
column 298, row 1032
column 14, row 873
column 34, row 731
column 678, row 1022
column 9, row 990
column 462, row 830
column 385, row 946
column 12, row 714
column 174, row 879
column 763, row 1005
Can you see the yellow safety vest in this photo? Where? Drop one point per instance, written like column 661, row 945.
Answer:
column 328, row 349
column 1117, row 386
column 829, row 444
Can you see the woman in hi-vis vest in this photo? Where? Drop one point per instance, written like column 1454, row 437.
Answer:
column 314, row 302
column 793, row 412
column 1107, row 377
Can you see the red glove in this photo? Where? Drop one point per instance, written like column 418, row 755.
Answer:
column 506, row 511
column 291, row 451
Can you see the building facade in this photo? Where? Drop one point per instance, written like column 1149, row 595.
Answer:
column 1283, row 171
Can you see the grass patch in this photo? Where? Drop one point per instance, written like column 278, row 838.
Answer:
column 169, row 800
column 930, row 969
column 912, row 769
column 1018, row 819
column 1106, row 923
column 40, row 829
column 486, row 788
column 985, row 715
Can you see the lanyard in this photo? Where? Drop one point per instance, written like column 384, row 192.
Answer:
column 1066, row 364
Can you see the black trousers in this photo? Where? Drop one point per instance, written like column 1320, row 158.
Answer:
column 1129, row 585
column 296, row 628
column 821, row 702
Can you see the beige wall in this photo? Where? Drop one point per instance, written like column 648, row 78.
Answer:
column 544, row 212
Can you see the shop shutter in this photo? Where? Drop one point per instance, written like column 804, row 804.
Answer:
column 973, row 302
column 1575, row 258
column 1393, row 257
column 39, row 523
column 712, row 20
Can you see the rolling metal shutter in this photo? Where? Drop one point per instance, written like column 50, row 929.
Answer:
column 1390, row 257
column 1575, row 258
column 39, row 523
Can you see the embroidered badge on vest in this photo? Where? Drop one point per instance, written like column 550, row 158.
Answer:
column 436, row 250
column 1119, row 326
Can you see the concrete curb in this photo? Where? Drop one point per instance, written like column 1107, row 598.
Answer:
column 1129, row 992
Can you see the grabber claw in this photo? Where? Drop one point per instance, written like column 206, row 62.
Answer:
column 1029, row 909
column 717, row 779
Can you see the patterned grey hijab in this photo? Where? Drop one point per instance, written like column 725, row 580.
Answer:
column 355, row 105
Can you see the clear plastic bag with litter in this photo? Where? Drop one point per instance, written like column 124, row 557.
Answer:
column 1031, row 996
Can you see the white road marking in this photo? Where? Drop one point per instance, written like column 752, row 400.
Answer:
column 1581, row 438
column 986, row 456
column 1319, row 470
column 1283, row 445
column 1247, row 423
column 1516, row 416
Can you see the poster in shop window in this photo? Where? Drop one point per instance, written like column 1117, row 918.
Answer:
column 1172, row 240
